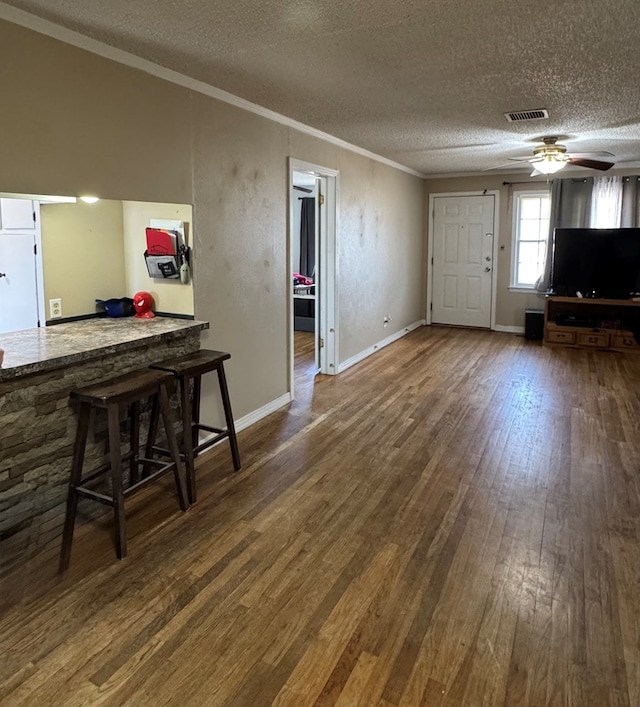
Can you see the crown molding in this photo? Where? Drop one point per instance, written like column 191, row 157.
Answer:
column 80, row 41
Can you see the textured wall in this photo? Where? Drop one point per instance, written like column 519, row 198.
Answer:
column 82, row 124
column 381, row 260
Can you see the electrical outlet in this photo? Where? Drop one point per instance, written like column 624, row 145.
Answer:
column 55, row 308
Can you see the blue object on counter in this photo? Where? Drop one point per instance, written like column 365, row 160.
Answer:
column 117, row 306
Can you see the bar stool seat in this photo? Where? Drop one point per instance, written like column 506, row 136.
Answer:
column 189, row 370
column 112, row 395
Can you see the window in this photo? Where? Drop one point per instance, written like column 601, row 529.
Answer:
column 530, row 233
column 606, row 202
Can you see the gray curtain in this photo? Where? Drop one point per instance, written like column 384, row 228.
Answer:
column 630, row 202
column 570, row 208
column 308, row 236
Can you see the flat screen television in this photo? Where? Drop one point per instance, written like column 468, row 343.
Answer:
column 597, row 262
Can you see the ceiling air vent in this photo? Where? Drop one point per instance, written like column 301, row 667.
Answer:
column 517, row 116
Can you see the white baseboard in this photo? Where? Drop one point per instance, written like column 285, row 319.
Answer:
column 381, row 344
column 509, row 329
column 253, row 417
column 265, row 410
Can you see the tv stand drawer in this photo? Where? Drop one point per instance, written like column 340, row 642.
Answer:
column 626, row 342
column 598, row 339
column 561, row 337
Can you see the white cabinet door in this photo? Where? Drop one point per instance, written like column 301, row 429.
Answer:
column 16, row 215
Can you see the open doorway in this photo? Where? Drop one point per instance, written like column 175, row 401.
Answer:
column 312, row 331
column 305, row 229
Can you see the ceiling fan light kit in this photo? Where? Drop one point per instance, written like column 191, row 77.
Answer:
column 549, row 164
column 550, row 157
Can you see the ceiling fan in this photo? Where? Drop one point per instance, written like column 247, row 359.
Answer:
column 550, row 157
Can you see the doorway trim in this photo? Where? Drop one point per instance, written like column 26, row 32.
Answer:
column 327, row 267
column 496, row 237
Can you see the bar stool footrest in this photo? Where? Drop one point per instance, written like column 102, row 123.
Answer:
column 220, row 435
column 163, row 469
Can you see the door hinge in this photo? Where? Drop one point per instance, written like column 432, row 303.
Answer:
column 35, row 249
column 431, row 306
column 321, row 343
column 321, row 199
column 431, row 261
column 34, row 216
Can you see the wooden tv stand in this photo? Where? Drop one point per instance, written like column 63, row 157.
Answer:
column 584, row 322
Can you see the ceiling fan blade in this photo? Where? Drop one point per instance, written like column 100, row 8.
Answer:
column 590, row 164
column 595, row 153
column 498, row 166
column 515, row 162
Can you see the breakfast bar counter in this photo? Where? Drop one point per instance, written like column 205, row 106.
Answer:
column 37, row 422
column 47, row 348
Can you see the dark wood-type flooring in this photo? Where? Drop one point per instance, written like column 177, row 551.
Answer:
column 454, row 521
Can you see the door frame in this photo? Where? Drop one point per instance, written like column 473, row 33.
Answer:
column 496, row 237
column 326, row 267
column 42, row 312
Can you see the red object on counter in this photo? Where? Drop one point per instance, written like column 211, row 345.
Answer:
column 143, row 301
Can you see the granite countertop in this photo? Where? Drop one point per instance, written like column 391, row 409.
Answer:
column 46, row 348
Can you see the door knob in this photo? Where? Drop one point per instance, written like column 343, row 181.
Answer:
column 487, row 269
column 488, row 258
column 3, row 274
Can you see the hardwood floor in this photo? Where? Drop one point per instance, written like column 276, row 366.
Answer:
column 454, row 521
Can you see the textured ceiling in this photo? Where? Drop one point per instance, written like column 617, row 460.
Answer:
column 424, row 83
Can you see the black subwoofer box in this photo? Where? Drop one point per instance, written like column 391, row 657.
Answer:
column 534, row 324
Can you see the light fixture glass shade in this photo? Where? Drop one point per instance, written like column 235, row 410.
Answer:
column 89, row 199
column 549, row 165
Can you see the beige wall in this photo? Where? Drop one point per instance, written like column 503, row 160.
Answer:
column 168, row 295
column 82, row 254
column 386, row 262
column 82, row 124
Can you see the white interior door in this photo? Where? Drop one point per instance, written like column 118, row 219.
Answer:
column 18, row 288
column 462, row 275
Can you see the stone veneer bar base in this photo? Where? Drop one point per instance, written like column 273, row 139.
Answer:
column 37, row 430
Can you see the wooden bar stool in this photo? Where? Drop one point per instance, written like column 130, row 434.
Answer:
column 111, row 395
column 189, row 370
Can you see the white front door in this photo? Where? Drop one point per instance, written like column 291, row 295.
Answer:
column 462, row 276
